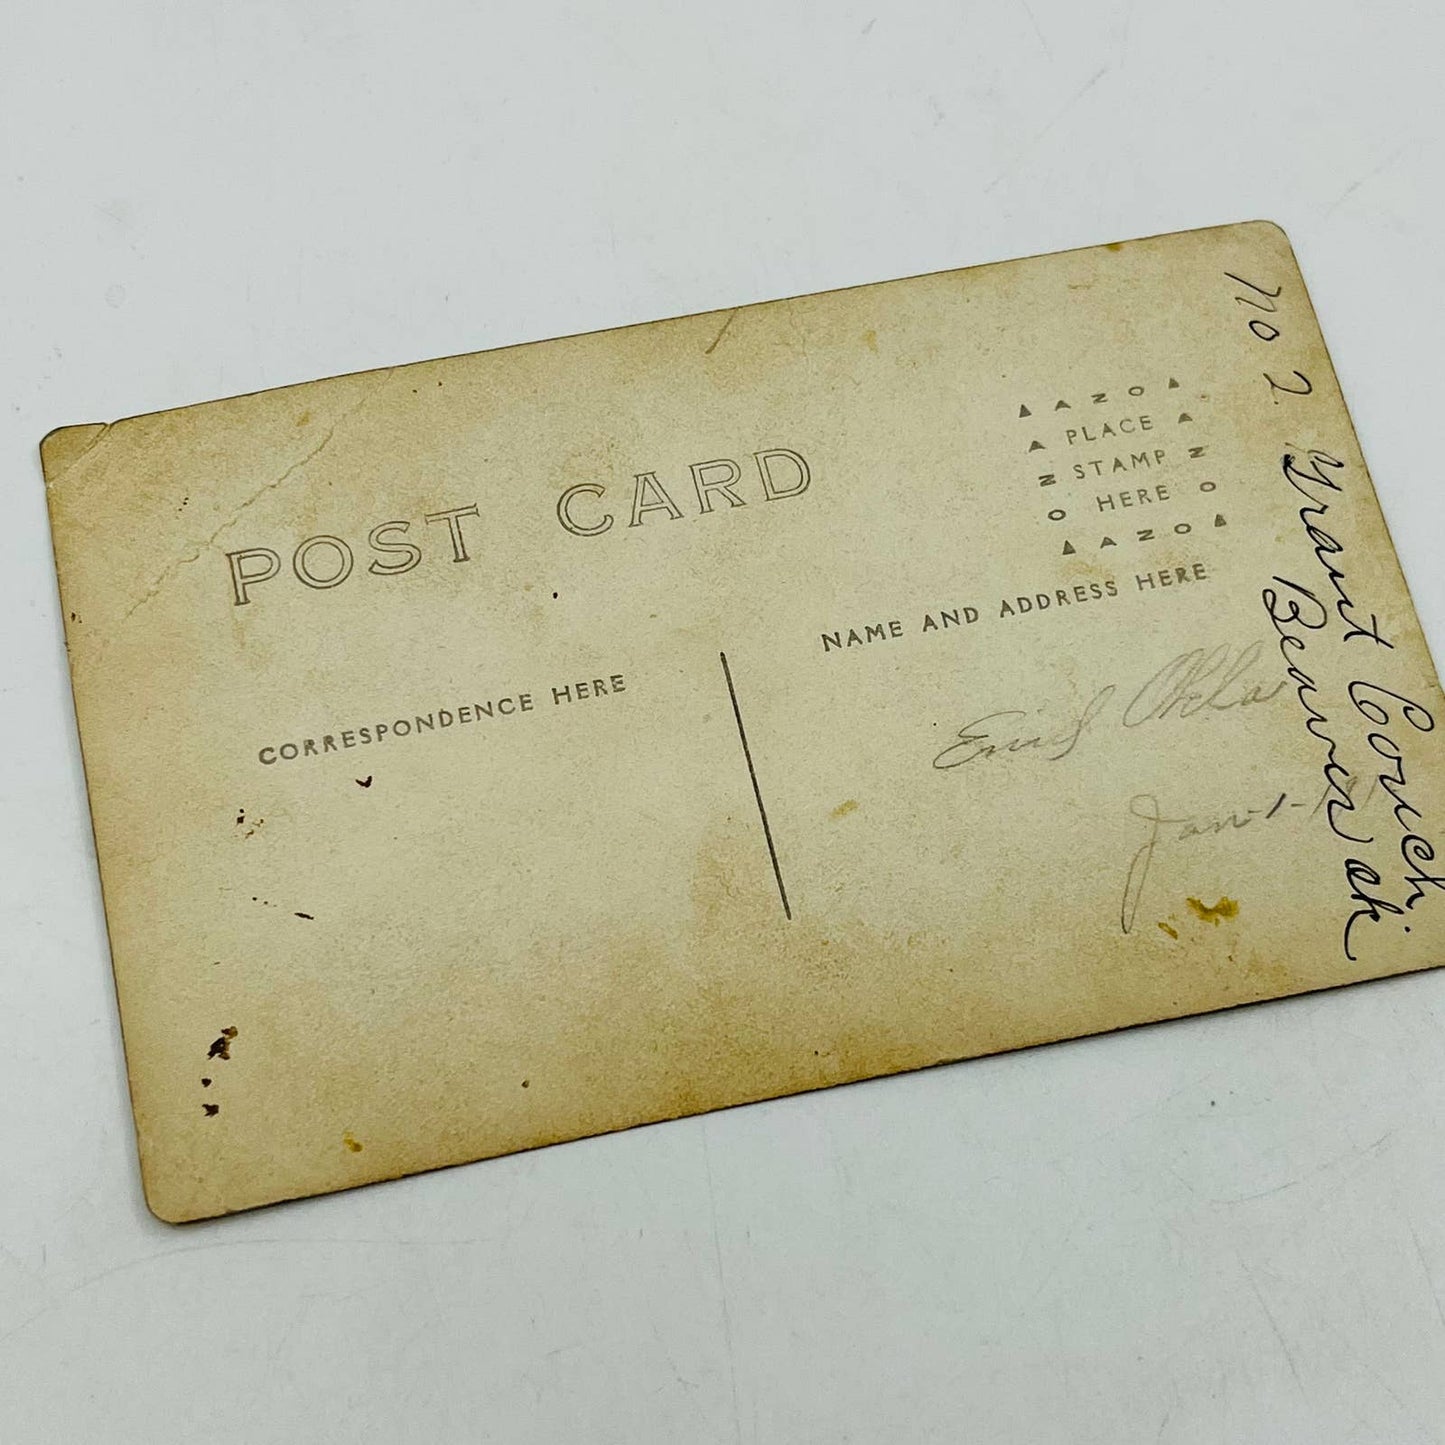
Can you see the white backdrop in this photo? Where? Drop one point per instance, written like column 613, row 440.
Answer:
column 1228, row 1229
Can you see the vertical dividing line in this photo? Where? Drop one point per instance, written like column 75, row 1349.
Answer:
column 757, row 792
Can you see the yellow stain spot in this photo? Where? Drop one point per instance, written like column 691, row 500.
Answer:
column 870, row 340
column 303, row 418
column 843, row 809
column 1114, row 246
column 1225, row 908
column 354, row 1145
column 1172, row 932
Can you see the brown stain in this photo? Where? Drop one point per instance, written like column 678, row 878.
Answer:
column 1268, row 979
column 303, row 418
column 1114, row 246
column 221, row 1048
column 1205, row 913
column 870, row 340
column 1172, row 932
column 1079, row 568
column 355, row 1145
column 849, row 805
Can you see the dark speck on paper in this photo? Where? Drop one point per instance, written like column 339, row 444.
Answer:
column 221, row 1048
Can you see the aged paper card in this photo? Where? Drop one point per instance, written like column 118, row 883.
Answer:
column 520, row 746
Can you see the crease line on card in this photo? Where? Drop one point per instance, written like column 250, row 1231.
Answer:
column 757, row 791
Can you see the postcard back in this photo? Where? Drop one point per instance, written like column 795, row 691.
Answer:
column 504, row 749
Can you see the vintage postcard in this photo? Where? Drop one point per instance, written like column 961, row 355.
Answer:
column 520, row 746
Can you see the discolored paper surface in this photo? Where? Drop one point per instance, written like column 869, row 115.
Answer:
column 520, row 746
